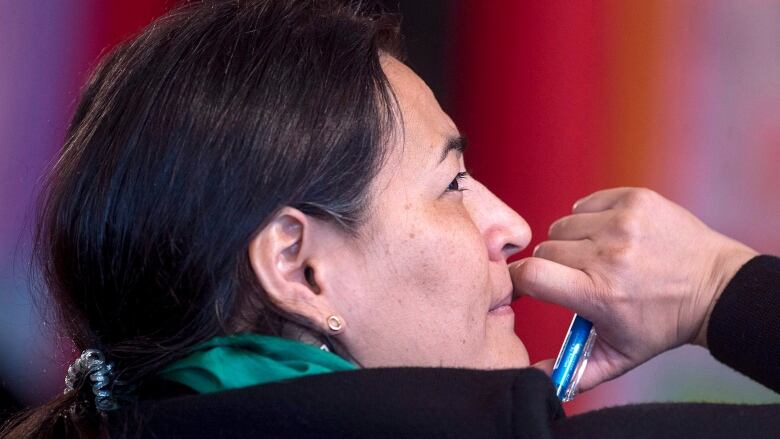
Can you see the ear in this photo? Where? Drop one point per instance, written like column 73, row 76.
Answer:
column 285, row 257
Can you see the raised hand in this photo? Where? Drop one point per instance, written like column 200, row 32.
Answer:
column 644, row 270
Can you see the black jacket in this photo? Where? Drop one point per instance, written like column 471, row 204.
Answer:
column 744, row 332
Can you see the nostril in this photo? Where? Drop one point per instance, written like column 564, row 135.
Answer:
column 509, row 250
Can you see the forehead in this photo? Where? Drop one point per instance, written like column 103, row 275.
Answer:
column 425, row 125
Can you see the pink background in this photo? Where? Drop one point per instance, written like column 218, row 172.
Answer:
column 558, row 99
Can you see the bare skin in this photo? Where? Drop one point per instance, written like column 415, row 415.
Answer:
column 644, row 270
column 426, row 283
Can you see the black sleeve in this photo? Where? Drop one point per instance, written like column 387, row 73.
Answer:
column 744, row 333
column 744, row 327
column 674, row 420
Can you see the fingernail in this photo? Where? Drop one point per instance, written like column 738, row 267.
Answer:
column 515, row 265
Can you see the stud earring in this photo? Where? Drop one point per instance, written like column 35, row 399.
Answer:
column 335, row 324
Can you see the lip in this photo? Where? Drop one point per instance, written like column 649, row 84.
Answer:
column 504, row 302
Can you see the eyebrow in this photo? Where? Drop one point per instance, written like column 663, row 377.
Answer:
column 457, row 143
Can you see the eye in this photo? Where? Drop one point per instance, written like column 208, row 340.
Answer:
column 455, row 184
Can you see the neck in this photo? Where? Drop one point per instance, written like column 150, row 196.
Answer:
column 294, row 331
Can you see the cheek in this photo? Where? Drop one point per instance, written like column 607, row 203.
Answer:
column 439, row 261
column 422, row 291
column 457, row 254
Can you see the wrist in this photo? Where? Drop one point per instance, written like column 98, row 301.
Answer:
column 731, row 257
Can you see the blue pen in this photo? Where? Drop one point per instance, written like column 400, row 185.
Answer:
column 573, row 357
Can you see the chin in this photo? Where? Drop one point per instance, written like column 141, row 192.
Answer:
column 519, row 355
column 522, row 355
column 507, row 352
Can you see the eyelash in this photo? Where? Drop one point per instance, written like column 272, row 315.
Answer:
column 455, row 182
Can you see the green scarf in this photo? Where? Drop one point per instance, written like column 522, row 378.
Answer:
column 248, row 359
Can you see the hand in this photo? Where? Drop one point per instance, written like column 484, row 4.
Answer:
column 644, row 270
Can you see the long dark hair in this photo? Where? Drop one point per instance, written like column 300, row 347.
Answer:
column 186, row 140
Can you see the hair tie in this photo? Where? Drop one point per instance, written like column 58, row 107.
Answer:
column 93, row 363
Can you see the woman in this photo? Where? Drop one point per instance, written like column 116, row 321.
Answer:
column 273, row 168
column 259, row 213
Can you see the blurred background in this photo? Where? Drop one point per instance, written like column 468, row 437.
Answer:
column 558, row 99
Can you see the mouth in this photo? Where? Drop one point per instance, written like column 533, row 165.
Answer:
column 502, row 305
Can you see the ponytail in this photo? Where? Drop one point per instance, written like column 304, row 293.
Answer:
column 63, row 416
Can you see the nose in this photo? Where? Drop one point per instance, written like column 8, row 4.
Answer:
column 504, row 230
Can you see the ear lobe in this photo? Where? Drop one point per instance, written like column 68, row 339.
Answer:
column 281, row 256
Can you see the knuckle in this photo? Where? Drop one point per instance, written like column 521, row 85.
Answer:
column 626, row 224
column 639, row 197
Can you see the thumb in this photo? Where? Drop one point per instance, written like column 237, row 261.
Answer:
column 551, row 282
column 545, row 366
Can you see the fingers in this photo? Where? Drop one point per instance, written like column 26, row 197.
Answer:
column 574, row 254
column 551, row 282
column 545, row 366
column 601, row 200
column 579, row 226
column 605, row 364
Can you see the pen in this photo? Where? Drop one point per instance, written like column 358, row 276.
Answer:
column 573, row 357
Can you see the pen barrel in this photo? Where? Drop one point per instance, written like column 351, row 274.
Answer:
column 573, row 357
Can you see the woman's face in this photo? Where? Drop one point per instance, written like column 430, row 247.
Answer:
column 427, row 284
